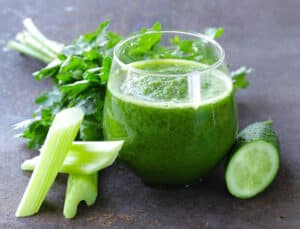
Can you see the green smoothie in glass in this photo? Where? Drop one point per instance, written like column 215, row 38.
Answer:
column 175, row 111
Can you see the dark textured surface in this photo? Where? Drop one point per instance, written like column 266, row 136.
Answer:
column 261, row 34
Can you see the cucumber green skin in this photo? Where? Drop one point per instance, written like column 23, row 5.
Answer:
column 258, row 131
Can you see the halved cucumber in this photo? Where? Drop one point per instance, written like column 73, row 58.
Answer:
column 254, row 162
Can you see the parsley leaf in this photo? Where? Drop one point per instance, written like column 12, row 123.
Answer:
column 239, row 77
column 214, row 33
column 79, row 73
column 81, row 69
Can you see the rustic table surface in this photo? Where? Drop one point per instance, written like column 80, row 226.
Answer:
column 262, row 34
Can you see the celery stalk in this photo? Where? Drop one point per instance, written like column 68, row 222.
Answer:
column 80, row 188
column 60, row 136
column 84, row 157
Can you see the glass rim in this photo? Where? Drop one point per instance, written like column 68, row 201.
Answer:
column 130, row 68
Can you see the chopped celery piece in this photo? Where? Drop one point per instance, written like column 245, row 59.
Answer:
column 80, row 188
column 83, row 161
column 84, row 157
column 60, row 136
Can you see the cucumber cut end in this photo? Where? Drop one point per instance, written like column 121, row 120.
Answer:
column 252, row 169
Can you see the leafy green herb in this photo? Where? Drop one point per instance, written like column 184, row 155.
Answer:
column 79, row 74
column 214, row 33
column 80, row 71
column 147, row 46
column 239, row 77
column 146, row 42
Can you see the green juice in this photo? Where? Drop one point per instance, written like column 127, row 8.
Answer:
column 176, row 129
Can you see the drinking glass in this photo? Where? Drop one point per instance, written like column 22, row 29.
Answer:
column 170, row 98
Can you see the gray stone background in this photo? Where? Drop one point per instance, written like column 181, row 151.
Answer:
column 262, row 34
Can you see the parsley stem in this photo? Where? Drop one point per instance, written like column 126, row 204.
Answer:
column 36, row 34
column 28, row 51
column 25, row 39
column 33, row 43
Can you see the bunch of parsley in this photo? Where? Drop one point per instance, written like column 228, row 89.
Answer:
column 80, row 71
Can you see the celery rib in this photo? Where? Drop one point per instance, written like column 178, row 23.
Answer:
column 60, row 136
column 80, row 188
column 84, row 157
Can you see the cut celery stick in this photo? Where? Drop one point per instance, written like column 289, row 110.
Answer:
column 80, row 188
column 84, row 157
column 60, row 136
